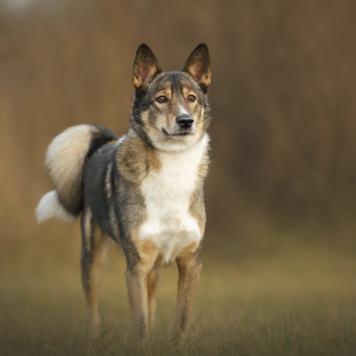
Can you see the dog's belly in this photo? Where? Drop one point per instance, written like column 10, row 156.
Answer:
column 171, row 233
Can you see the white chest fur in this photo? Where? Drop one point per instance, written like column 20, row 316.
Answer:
column 167, row 196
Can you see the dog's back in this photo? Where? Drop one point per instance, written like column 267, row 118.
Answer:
column 99, row 188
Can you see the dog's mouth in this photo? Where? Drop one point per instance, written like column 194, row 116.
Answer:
column 184, row 133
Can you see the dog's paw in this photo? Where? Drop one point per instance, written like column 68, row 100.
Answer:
column 179, row 338
column 94, row 328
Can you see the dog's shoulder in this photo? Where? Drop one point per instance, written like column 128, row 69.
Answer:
column 136, row 158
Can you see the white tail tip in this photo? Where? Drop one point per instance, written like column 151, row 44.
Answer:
column 49, row 207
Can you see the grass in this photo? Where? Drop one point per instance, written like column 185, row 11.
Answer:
column 274, row 297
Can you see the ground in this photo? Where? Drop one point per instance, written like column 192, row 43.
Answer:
column 289, row 296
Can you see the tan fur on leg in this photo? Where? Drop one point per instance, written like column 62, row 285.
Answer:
column 189, row 267
column 136, row 281
column 137, row 286
column 153, row 280
column 94, row 253
column 99, row 253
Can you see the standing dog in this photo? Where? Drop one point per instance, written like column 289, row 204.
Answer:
column 144, row 190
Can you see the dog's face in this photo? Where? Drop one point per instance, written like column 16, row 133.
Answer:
column 171, row 110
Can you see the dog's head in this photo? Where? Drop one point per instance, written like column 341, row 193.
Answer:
column 170, row 109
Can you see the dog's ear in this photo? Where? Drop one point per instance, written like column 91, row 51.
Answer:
column 198, row 65
column 145, row 67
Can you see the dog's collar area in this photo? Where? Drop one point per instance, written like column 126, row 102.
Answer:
column 177, row 134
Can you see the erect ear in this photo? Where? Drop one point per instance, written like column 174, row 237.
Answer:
column 145, row 67
column 198, row 65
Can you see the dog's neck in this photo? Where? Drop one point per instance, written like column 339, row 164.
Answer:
column 136, row 157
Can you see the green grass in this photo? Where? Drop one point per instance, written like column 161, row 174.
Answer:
column 269, row 298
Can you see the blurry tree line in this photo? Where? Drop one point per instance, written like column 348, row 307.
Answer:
column 282, row 97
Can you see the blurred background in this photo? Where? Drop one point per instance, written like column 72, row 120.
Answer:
column 281, row 192
column 282, row 97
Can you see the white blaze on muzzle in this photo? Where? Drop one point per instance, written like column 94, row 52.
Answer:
column 182, row 111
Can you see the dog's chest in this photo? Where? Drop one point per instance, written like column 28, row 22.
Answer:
column 168, row 195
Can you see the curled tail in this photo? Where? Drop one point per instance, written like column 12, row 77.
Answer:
column 65, row 159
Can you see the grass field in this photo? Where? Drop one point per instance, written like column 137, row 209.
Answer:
column 267, row 298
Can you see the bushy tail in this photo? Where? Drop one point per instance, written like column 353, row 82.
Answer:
column 65, row 159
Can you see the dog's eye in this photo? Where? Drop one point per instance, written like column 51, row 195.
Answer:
column 191, row 98
column 161, row 99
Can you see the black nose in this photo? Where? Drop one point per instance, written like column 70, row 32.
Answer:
column 184, row 121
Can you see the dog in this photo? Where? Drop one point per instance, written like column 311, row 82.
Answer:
column 143, row 190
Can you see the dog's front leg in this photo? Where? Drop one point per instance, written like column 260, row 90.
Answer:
column 152, row 284
column 189, row 268
column 136, row 281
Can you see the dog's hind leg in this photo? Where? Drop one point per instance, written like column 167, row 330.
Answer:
column 152, row 283
column 189, row 267
column 93, row 257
